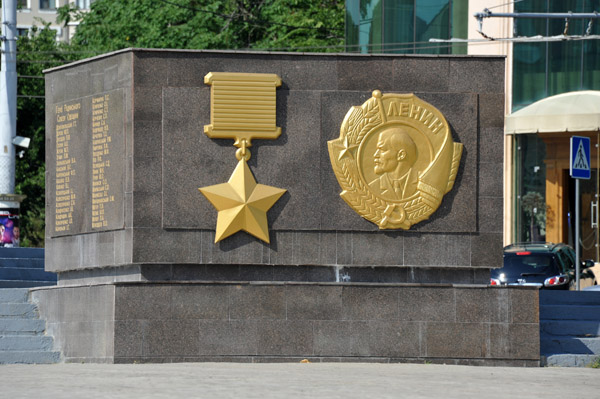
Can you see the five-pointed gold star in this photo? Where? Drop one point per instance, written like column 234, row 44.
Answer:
column 242, row 204
column 348, row 150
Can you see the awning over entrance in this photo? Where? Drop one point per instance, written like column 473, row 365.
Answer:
column 576, row 111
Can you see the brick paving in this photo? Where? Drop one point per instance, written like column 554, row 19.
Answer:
column 322, row 380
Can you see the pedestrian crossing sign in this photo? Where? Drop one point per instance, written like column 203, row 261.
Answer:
column 580, row 157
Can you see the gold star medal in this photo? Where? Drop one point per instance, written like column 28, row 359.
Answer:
column 242, row 108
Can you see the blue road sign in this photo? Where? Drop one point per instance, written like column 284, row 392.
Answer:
column 580, row 158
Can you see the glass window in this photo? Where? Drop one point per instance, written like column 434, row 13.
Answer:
column 352, row 25
column 399, row 27
column 459, row 24
column 522, row 264
column 591, row 64
column 566, row 259
column 47, row 4
column 529, row 73
column 83, row 4
column 432, row 20
column 564, row 58
column 529, row 59
column 373, row 13
column 591, row 51
column 23, row 4
column 530, row 181
column 405, row 26
column 363, row 26
column 549, row 68
column 564, row 67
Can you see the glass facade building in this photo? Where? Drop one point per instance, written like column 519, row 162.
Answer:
column 405, row 26
column 540, row 70
column 543, row 69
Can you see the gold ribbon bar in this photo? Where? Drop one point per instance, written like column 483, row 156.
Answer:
column 252, row 92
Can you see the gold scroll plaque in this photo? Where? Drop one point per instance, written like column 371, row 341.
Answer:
column 243, row 107
column 395, row 159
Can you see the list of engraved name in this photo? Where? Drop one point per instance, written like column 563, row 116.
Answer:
column 67, row 116
column 101, row 139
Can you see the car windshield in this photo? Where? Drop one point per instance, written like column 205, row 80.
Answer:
column 534, row 263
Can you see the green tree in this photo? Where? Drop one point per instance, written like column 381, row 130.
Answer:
column 35, row 52
column 216, row 24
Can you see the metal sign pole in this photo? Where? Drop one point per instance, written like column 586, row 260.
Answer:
column 579, row 168
column 577, row 257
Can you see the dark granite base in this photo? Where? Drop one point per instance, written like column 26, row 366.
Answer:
column 275, row 273
column 258, row 322
column 310, row 359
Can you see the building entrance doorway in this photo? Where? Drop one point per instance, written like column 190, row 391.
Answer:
column 560, row 196
column 588, row 236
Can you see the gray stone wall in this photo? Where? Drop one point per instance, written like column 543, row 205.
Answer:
column 84, row 247
column 167, row 222
column 81, row 320
column 290, row 322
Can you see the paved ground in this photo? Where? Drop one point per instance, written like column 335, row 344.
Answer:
column 325, row 380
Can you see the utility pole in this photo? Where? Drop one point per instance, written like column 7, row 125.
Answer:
column 9, row 202
column 8, row 97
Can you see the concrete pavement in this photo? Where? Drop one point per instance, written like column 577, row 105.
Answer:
column 324, row 380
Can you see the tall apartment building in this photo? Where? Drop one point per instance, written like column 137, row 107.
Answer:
column 539, row 198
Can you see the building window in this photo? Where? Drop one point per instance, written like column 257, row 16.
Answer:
column 405, row 26
column 47, row 4
column 545, row 69
column 530, row 188
column 22, row 31
column 23, row 4
column 83, row 4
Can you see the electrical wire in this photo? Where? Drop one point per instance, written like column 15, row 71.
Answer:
column 521, row 39
column 388, row 48
column 505, row 4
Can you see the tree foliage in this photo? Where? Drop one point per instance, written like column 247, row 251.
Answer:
column 216, row 24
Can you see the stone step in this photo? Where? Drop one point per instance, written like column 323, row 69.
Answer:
column 21, row 262
column 570, row 312
column 32, row 253
column 552, row 344
column 22, row 326
column 569, row 360
column 18, row 310
column 25, row 343
column 6, row 284
column 569, row 297
column 577, row 328
column 29, row 357
column 14, row 295
column 26, row 273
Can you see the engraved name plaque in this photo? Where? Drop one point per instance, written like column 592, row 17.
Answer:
column 86, row 174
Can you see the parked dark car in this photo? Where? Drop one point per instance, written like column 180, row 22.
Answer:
column 544, row 265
